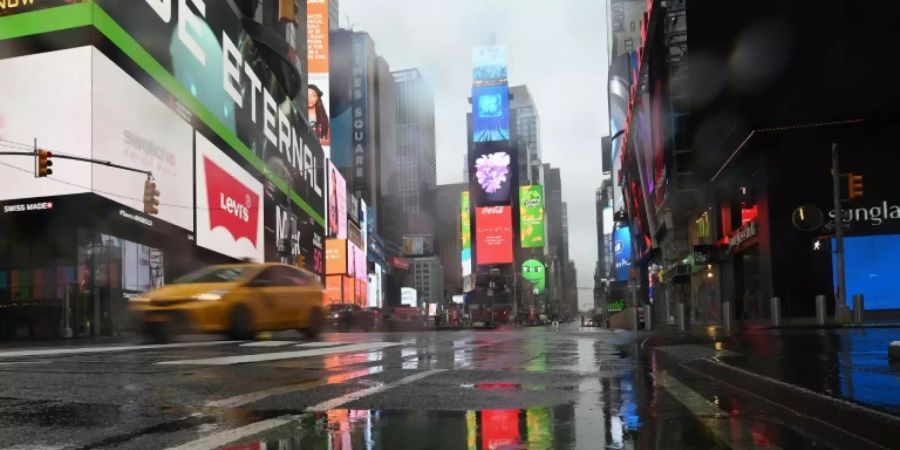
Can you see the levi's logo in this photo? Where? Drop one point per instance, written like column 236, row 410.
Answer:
column 232, row 205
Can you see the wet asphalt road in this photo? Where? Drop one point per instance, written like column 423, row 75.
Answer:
column 519, row 388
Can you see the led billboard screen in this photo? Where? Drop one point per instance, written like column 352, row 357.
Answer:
column 622, row 252
column 531, row 215
column 337, row 203
column 490, row 113
column 229, row 205
column 872, row 269
column 317, row 56
column 465, row 234
column 493, row 235
column 533, row 271
column 492, row 169
column 489, row 65
column 335, row 256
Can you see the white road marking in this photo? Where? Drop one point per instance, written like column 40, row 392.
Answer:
column 356, row 395
column 321, row 344
column 268, row 343
column 113, row 349
column 707, row 413
column 694, row 402
column 276, row 356
column 245, row 399
column 223, row 438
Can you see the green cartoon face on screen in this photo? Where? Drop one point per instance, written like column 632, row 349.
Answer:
column 533, row 271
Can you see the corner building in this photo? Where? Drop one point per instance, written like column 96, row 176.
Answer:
column 212, row 113
column 715, row 160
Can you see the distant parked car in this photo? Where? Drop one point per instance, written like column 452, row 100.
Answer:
column 346, row 316
column 403, row 318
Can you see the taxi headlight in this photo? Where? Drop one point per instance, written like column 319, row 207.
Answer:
column 209, row 296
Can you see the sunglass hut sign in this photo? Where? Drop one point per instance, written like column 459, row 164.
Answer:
column 276, row 126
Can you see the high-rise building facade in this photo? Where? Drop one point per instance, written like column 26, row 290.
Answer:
column 205, row 138
column 413, row 172
column 448, row 243
column 427, row 278
column 526, row 134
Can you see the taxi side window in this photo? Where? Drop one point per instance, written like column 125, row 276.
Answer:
column 271, row 277
column 297, row 277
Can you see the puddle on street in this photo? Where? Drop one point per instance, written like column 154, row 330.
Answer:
column 538, row 428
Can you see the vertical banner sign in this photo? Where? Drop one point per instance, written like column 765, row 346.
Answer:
column 360, row 104
column 465, row 234
column 531, row 215
column 317, row 48
column 493, row 235
column 337, row 203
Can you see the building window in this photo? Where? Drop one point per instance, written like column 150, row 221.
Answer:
column 632, row 26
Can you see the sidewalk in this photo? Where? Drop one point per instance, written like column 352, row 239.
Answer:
column 838, row 376
column 847, row 363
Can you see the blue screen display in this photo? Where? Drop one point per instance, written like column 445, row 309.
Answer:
column 872, row 270
column 622, row 252
column 490, row 113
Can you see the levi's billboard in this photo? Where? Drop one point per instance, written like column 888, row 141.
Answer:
column 493, row 235
column 229, row 205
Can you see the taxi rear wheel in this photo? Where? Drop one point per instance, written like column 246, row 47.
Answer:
column 241, row 325
column 314, row 324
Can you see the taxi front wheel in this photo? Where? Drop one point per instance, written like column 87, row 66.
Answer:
column 241, row 325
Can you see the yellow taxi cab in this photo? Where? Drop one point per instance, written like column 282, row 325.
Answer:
column 237, row 299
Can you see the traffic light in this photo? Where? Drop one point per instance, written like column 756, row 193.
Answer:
column 43, row 163
column 151, row 200
column 854, row 186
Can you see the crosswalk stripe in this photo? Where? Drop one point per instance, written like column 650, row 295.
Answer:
column 111, row 349
column 268, row 343
column 356, row 395
column 321, row 344
column 223, row 438
column 276, row 356
column 245, row 399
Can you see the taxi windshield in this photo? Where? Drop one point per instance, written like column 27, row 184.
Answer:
column 213, row 274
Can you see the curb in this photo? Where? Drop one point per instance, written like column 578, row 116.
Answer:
column 847, row 424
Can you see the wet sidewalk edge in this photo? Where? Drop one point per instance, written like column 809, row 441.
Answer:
column 842, row 423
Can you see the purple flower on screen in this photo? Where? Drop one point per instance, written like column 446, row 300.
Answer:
column 492, row 170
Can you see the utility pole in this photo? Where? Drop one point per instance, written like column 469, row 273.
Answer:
column 841, row 294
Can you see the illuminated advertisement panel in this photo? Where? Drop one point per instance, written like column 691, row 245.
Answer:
column 489, row 65
column 466, row 234
column 531, row 214
column 317, row 54
column 492, row 174
column 335, row 256
column 622, row 252
column 490, row 113
column 337, row 203
column 493, row 235
column 333, row 288
column 533, row 271
column 229, row 205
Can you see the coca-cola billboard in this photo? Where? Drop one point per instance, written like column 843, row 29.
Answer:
column 493, row 235
column 229, row 205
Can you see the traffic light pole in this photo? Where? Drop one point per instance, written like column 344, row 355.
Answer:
column 78, row 158
column 841, row 294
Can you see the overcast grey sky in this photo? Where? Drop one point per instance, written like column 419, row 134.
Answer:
column 558, row 48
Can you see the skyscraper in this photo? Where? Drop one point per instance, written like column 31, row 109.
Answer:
column 526, row 134
column 412, row 174
column 447, row 240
